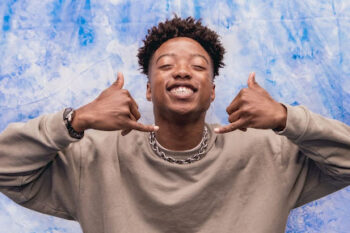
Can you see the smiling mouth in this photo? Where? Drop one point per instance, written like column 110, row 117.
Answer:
column 182, row 92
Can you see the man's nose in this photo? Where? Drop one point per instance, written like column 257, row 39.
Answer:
column 182, row 72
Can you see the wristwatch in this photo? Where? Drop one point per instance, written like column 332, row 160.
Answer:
column 68, row 116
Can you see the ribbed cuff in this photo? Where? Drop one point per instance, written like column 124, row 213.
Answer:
column 57, row 130
column 297, row 121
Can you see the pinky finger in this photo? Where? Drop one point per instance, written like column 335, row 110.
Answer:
column 141, row 127
column 239, row 124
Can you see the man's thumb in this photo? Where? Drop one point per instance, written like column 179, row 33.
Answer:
column 119, row 83
column 251, row 80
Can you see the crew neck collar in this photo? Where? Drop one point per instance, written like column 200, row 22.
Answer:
column 183, row 154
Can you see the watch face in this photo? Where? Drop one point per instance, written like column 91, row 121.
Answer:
column 67, row 115
column 70, row 116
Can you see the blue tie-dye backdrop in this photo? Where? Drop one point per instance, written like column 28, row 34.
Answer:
column 58, row 53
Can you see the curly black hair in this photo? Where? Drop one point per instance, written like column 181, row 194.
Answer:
column 178, row 27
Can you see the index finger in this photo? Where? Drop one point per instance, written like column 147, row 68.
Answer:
column 134, row 109
column 234, row 105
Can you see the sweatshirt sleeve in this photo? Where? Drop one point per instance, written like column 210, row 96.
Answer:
column 39, row 165
column 324, row 152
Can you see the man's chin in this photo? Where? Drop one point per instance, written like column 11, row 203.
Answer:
column 183, row 113
column 182, row 109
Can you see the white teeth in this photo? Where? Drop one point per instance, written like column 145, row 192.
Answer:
column 181, row 91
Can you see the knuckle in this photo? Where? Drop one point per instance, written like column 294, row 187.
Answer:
column 234, row 126
column 128, row 101
column 244, row 98
column 251, row 121
column 245, row 94
column 132, row 117
column 244, row 91
column 223, row 130
column 231, row 118
column 125, row 110
column 228, row 128
column 125, row 92
column 245, row 109
column 247, row 122
column 136, row 126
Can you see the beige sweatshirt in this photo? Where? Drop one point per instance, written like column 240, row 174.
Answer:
column 247, row 181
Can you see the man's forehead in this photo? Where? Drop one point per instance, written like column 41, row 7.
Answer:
column 179, row 46
column 180, row 40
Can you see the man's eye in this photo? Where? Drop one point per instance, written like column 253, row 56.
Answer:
column 197, row 67
column 165, row 67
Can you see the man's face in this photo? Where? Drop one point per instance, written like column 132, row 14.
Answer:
column 181, row 78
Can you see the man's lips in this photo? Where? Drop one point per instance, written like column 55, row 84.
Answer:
column 182, row 90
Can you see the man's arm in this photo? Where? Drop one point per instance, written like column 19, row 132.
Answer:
column 324, row 146
column 39, row 165
column 39, row 161
column 323, row 164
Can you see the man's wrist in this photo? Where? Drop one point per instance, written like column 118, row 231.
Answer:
column 282, row 119
column 79, row 123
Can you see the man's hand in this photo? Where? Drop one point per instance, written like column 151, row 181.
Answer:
column 113, row 109
column 253, row 107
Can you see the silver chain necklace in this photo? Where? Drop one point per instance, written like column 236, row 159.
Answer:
column 197, row 156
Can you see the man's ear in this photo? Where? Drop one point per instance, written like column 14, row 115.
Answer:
column 213, row 93
column 148, row 92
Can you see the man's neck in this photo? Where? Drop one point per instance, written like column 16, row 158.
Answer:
column 179, row 135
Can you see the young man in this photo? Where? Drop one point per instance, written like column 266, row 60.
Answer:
column 181, row 175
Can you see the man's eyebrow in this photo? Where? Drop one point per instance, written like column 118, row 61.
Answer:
column 174, row 55
column 199, row 55
column 165, row 54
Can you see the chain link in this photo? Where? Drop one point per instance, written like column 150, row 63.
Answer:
column 202, row 150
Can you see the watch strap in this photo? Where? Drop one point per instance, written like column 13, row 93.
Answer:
column 68, row 116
